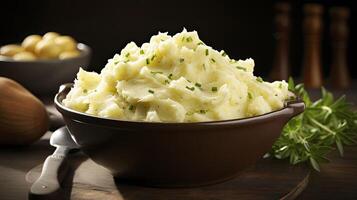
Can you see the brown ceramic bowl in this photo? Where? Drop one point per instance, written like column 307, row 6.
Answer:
column 43, row 77
column 175, row 154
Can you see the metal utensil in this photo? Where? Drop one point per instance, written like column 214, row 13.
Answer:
column 49, row 181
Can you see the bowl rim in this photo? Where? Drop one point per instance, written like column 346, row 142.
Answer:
column 290, row 109
column 84, row 49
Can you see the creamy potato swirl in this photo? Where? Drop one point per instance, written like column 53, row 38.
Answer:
column 175, row 79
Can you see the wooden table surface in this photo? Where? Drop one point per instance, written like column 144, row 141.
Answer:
column 337, row 179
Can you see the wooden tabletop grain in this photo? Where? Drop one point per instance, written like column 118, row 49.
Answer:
column 337, row 179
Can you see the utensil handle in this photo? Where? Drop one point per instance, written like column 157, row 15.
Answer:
column 48, row 184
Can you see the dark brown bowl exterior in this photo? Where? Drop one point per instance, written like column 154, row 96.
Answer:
column 43, row 77
column 175, row 154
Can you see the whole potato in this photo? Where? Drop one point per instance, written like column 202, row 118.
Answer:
column 47, row 49
column 11, row 49
column 69, row 54
column 50, row 36
column 30, row 42
column 66, row 43
column 24, row 56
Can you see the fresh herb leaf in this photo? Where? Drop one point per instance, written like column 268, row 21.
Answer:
column 214, row 89
column 190, row 88
column 206, row 52
column 189, row 39
column 142, row 52
column 154, row 73
column 181, row 60
column 326, row 124
column 151, row 91
column 259, row 79
column 131, row 107
column 198, row 85
column 170, row 76
column 241, row 68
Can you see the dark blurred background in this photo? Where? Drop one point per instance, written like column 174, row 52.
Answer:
column 242, row 28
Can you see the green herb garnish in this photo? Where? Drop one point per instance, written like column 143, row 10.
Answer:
column 151, row 91
column 259, row 79
column 154, row 73
column 250, row 96
column 85, row 91
column 190, row 88
column 131, row 107
column 214, row 89
column 189, row 39
column 206, row 52
column 198, row 85
column 224, row 53
column 241, row 68
column 200, row 43
column 325, row 124
column 127, row 55
column 170, row 76
column 147, row 61
column 203, row 111
column 153, row 57
column 142, row 52
column 181, row 60
column 213, row 60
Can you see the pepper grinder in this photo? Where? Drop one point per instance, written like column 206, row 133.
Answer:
column 280, row 69
column 312, row 28
column 339, row 32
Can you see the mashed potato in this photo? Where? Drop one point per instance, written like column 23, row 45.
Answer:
column 175, row 79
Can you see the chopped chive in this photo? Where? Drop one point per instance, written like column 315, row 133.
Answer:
column 200, row 43
column 190, row 88
column 204, row 67
column 85, row 91
column 153, row 57
column 224, row 53
column 183, row 39
column 259, row 79
column 142, row 52
column 189, row 39
column 206, row 52
column 166, row 82
column 147, row 61
column 151, row 91
column 189, row 81
column 154, row 73
column 127, row 55
column 213, row 60
column 170, row 76
column 198, row 85
column 250, row 96
column 116, row 62
column 241, row 68
column 131, row 107
column 280, row 86
column 181, row 60
column 214, row 89
column 203, row 111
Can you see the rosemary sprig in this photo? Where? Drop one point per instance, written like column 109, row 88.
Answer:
column 326, row 124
